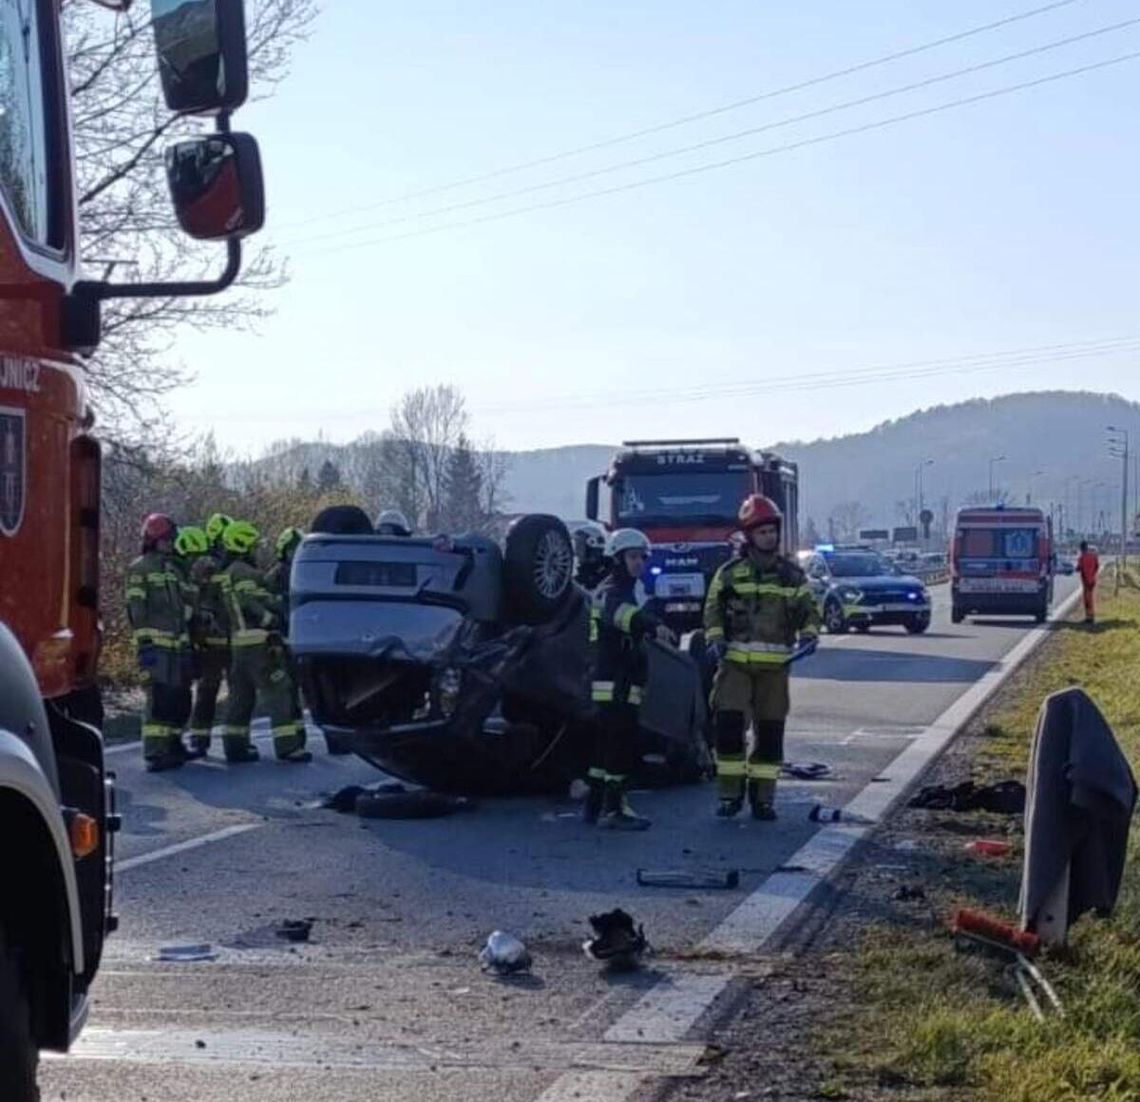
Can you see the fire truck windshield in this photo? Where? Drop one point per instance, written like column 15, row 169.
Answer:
column 24, row 177
column 691, row 497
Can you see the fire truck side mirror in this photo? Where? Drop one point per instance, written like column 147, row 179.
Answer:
column 216, row 185
column 592, row 498
column 202, row 56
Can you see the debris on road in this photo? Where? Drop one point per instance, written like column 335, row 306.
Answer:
column 504, row 954
column 805, row 770
column 186, row 954
column 910, row 893
column 616, row 942
column 295, row 929
column 821, row 813
column 721, row 879
column 989, row 847
column 1002, row 798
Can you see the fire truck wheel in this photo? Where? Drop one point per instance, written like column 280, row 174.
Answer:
column 18, row 1053
column 538, row 568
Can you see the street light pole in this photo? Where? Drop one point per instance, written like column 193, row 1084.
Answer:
column 1118, row 448
column 1029, row 486
column 918, row 489
column 993, row 460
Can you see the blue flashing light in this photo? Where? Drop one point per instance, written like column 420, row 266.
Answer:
column 655, row 570
column 825, row 546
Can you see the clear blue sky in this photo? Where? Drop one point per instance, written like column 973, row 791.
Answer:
column 1008, row 224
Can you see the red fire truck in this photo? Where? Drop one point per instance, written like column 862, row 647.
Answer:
column 56, row 797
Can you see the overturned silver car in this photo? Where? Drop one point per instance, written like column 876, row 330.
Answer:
column 464, row 666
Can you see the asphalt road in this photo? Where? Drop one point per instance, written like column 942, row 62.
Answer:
column 387, row 1000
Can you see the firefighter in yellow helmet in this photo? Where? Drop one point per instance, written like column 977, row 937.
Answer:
column 758, row 606
column 257, row 669
column 212, row 638
column 158, row 613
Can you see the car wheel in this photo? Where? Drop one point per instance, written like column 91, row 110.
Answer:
column 916, row 625
column 342, row 520
column 538, row 568
column 834, row 620
column 18, row 1052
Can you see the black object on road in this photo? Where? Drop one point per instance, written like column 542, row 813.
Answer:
column 413, row 804
column 295, row 929
column 805, row 770
column 689, row 878
column 617, row 942
column 1003, row 798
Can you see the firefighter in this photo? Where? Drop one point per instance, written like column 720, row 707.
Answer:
column 277, row 581
column 1088, row 567
column 158, row 614
column 257, row 668
column 191, row 546
column 758, row 604
column 590, row 556
column 212, row 653
column 619, row 628
column 391, row 522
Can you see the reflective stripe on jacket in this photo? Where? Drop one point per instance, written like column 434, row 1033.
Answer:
column 759, row 608
column 618, row 627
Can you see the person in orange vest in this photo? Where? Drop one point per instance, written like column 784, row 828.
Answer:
column 1088, row 566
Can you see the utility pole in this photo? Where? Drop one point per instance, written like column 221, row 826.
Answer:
column 1118, row 448
column 918, row 493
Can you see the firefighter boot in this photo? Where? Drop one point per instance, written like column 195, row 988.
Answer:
column 595, row 794
column 729, row 806
column 616, row 812
column 761, row 798
column 199, row 746
column 238, row 750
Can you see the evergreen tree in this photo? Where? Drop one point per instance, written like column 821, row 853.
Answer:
column 463, row 489
column 328, row 477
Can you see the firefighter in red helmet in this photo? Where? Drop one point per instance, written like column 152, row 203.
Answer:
column 159, row 616
column 758, row 607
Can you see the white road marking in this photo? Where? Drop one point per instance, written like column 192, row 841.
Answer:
column 182, row 847
column 667, row 1013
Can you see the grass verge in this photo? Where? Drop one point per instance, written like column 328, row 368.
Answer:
column 944, row 1024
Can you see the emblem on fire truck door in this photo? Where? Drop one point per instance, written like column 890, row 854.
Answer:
column 13, row 470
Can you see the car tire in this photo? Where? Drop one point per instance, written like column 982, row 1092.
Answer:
column 342, row 520
column 18, row 1053
column 916, row 625
column 834, row 620
column 538, row 568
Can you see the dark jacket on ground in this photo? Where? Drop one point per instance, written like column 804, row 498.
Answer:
column 1081, row 795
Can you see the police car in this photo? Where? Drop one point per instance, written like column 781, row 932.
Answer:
column 856, row 587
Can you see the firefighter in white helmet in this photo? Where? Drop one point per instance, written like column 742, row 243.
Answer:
column 619, row 627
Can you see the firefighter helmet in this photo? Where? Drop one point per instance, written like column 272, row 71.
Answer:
column 627, row 539
column 191, row 541
column 240, row 537
column 216, row 525
column 391, row 522
column 756, row 509
column 287, row 542
column 589, row 541
column 158, row 526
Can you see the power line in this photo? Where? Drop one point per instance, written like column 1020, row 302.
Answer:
column 708, row 143
column 698, row 116
column 771, row 151
column 826, row 380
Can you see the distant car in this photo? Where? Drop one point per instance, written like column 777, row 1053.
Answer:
column 858, row 588
column 1066, row 565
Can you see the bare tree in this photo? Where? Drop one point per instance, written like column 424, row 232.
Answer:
column 128, row 229
column 847, row 518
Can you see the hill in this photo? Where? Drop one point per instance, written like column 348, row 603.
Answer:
column 1054, row 444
